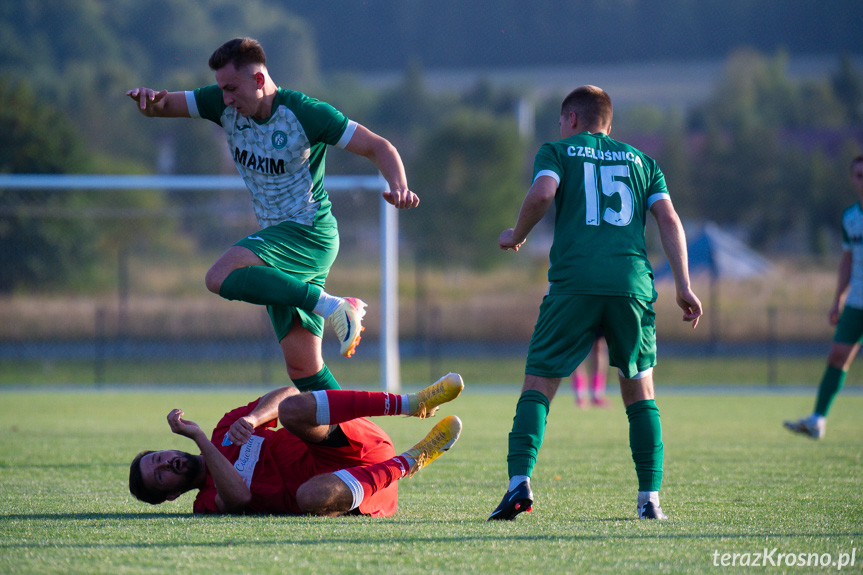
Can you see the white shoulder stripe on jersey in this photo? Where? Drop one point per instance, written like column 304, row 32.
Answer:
column 548, row 173
column 656, row 197
column 347, row 135
column 192, row 105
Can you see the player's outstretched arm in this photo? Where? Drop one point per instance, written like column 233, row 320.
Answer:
column 539, row 198
column 162, row 104
column 232, row 493
column 674, row 243
column 386, row 158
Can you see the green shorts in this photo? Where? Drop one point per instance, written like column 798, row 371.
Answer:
column 567, row 326
column 306, row 253
column 850, row 327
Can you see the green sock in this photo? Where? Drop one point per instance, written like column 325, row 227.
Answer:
column 264, row 285
column 322, row 380
column 645, row 441
column 831, row 383
column 528, row 429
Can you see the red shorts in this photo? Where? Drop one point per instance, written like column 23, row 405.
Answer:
column 368, row 444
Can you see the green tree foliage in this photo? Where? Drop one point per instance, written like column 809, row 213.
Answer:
column 763, row 142
column 37, row 138
column 38, row 250
column 676, row 163
column 470, row 173
column 410, row 108
column 53, row 238
column 478, row 33
column 771, row 152
column 83, row 56
column 757, row 90
column 847, row 84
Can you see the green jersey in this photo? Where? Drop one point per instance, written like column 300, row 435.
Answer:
column 852, row 240
column 605, row 189
column 281, row 159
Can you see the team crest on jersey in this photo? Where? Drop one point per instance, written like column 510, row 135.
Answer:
column 280, row 139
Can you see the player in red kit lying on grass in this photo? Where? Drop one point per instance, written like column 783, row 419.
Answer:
column 326, row 459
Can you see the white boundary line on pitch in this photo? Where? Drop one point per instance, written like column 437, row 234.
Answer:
column 478, row 389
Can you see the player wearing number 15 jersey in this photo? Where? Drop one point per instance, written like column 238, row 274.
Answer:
column 601, row 207
column 599, row 278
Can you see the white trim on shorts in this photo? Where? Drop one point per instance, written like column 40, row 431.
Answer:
column 639, row 375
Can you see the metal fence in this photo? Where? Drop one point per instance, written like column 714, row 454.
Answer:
column 111, row 266
column 107, row 281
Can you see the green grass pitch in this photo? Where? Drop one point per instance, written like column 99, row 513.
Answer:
column 735, row 483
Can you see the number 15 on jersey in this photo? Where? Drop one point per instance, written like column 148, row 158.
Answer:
column 610, row 186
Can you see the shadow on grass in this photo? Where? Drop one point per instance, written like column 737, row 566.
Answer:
column 360, row 540
column 90, row 516
column 88, row 465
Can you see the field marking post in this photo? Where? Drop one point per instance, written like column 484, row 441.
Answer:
column 389, row 340
column 772, row 344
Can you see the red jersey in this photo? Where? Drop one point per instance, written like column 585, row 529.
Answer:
column 275, row 462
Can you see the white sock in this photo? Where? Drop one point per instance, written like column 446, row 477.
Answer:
column 327, row 304
column 406, row 404
column 645, row 496
column 515, row 480
column 411, row 462
column 357, row 491
column 322, row 410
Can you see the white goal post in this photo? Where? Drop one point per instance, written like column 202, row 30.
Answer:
column 389, row 345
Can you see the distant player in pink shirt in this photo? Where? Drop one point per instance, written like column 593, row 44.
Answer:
column 326, row 459
column 593, row 368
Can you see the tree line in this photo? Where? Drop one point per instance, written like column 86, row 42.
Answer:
column 766, row 153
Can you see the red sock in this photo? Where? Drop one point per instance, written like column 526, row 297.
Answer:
column 379, row 475
column 346, row 405
column 578, row 383
column 598, row 384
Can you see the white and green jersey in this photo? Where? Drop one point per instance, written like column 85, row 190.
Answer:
column 282, row 158
column 852, row 240
column 605, row 189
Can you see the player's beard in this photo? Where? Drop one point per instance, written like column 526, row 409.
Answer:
column 189, row 466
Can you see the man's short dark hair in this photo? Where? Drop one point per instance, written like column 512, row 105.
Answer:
column 591, row 104
column 240, row 52
column 136, row 483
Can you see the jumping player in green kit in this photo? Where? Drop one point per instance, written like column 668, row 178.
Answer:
column 278, row 139
column 599, row 278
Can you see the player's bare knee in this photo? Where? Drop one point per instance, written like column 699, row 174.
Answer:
column 301, row 367
column 213, row 280
column 841, row 356
column 297, row 410
column 324, row 495
column 307, row 499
